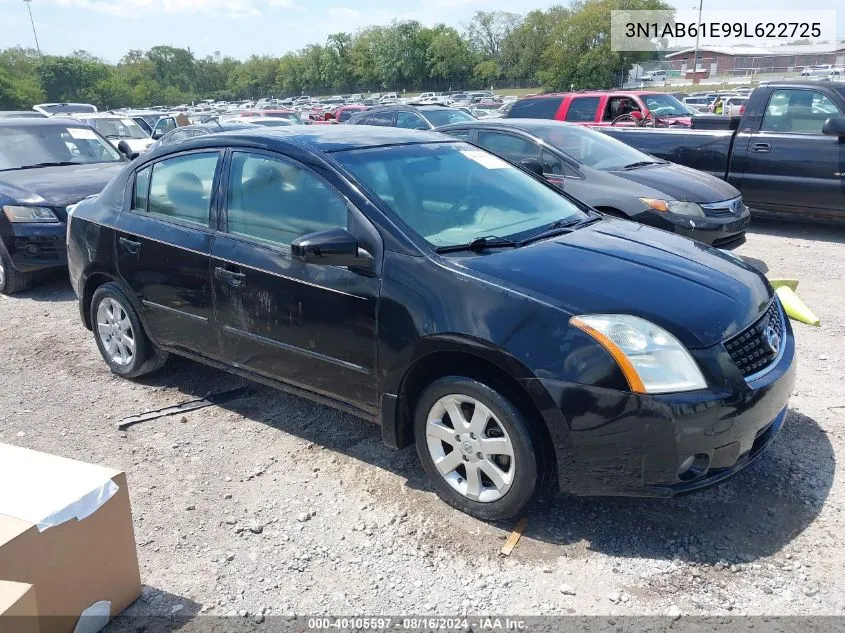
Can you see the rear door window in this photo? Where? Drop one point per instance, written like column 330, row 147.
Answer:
column 536, row 108
column 798, row 111
column 582, row 109
column 508, row 146
column 180, row 188
column 381, row 118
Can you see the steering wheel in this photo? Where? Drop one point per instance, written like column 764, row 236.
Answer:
column 465, row 206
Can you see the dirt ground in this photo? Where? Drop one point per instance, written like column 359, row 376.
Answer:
column 272, row 505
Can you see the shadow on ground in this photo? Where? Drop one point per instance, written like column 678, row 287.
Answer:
column 819, row 232
column 753, row 515
column 156, row 611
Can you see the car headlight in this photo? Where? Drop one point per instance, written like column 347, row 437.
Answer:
column 652, row 360
column 16, row 213
column 674, row 206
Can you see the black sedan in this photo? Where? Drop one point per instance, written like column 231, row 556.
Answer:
column 45, row 165
column 464, row 304
column 615, row 178
column 410, row 117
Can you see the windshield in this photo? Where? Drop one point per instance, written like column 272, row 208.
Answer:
column 117, row 128
column 446, row 116
column 25, row 146
column 665, row 105
column 452, row 193
column 591, row 148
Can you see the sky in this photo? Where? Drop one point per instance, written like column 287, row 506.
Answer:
column 240, row 28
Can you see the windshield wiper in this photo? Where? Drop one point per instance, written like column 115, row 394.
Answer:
column 561, row 226
column 642, row 163
column 479, row 244
column 37, row 165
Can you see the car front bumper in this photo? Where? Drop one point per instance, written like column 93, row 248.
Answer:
column 610, row 442
column 34, row 247
column 725, row 232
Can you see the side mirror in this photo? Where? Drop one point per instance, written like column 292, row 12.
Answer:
column 834, row 126
column 533, row 165
column 334, row 247
column 123, row 148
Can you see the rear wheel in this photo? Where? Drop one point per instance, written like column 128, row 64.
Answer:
column 11, row 279
column 477, row 448
column 120, row 336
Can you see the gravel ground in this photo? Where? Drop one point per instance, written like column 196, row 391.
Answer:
column 272, row 505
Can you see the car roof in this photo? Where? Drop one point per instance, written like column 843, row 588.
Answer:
column 333, row 138
column 598, row 93
column 62, row 121
column 527, row 125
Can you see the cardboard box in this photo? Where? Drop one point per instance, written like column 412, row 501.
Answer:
column 66, row 529
column 18, row 611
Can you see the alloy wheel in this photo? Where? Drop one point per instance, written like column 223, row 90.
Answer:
column 470, row 448
column 115, row 332
column 2, row 274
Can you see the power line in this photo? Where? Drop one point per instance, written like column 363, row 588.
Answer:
column 32, row 21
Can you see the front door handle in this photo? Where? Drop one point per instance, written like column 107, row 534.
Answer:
column 129, row 245
column 761, row 147
column 231, row 277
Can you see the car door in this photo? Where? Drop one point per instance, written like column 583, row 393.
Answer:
column 164, row 249
column 789, row 164
column 583, row 110
column 310, row 326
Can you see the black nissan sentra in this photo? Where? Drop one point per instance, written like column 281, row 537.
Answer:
column 519, row 338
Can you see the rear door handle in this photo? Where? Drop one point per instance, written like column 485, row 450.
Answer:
column 231, row 277
column 129, row 245
column 761, row 147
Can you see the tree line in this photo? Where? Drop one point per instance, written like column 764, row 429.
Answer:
column 559, row 48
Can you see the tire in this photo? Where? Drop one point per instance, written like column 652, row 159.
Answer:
column 119, row 335
column 12, row 280
column 465, row 483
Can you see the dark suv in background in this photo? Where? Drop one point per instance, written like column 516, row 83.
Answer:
column 421, row 117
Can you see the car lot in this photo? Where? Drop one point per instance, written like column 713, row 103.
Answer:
column 270, row 504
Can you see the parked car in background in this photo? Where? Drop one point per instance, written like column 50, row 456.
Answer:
column 423, row 117
column 699, row 104
column 46, row 164
column 343, row 113
column 155, row 124
column 516, row 336
column 120, row 130
column 784, row 154
column 186, row 132
column 49, row 109
column 274, row 113
column 603, row 108
column 734, row 106
column 615, row 178
column 817, row 70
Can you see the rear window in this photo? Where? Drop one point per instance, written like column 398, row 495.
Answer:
column 582, row 109
column 536, row 108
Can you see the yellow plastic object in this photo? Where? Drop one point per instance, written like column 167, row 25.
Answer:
column 794, row 307
column 792, row 284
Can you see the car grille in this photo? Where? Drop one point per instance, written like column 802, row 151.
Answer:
column 752, row 350
column 734, row 207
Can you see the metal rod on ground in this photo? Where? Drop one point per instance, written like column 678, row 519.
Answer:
column 190, row 405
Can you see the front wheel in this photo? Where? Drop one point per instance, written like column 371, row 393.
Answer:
column 477, row 448
column 120, row 336
column 11, row 279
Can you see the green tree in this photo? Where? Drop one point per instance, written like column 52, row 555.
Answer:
column 449, row 58
column 488, row 29
column 486, row 73
column 71, row 78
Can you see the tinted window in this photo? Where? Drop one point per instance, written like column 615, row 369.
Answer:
column 142, row 189
column 582, row 109
column 179, row 135
column 589, row 147
column 451, row 193
column 798, row 112
column 535, row 108
column 411, row 121
column 381, row 118
column 552, row 164
column 275, row 201
column 447, row 116
column 461, row 134
column 345, row 114
column 509, row 146
column 180, row 188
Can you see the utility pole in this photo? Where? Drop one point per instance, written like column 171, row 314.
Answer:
column 31, row 21
column 697, row 39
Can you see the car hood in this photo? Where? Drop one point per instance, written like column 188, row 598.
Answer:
column 680, row 183
column 700, row 294
column 57, row 187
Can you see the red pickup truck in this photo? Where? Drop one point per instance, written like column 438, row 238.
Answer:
column 604, row 108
